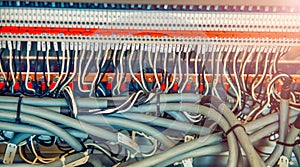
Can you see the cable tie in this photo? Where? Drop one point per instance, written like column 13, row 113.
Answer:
column 288, row 144
column 18, row 117
column 233, row 127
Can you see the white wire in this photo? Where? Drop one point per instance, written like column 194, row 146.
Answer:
column 196, row 71
column 205, row 79
column 262, row 78
column 215, row 82
column 119, row 74
column 187, row 72
column 28, row 70
column 103, row 63
column 230, row 83
column 102, row 149
column 155, row 146
column 256, row 71
column 132, row 103
column 165, row 64
column 243, row 68
column 67, row 67
column 111, row 110
column 98, row 71
column 79, row 81
column 86, row 67
column 174, row 74
column 192, row 118
column 141, row 70
column 131, row 72
column 154, row 69
column 11, row 69
column 48, row 67
column 268, row 97
column 179, row 69
column 73, row 101
column 74, row 71
column 37, row 157
column 236, row 76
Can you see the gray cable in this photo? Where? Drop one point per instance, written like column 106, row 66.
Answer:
column 293, row 133
column 266, row 120
column 208, row 150
column 296, row 151
column 45, row 125
column 30, row 130
column 95, row 102
column 253, row 157
column 198, row 109
column 98, row 119
column 166, row 123
column 283, row 130
column 178, row 150
column 62, row 119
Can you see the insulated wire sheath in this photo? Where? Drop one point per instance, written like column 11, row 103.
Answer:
column 283, row 130
column 207, row 150
column 157, row 121
column 178, row 150
column 198, row 109
column 96, row 119
column 62, row 119
column 293, row 133
column 45, row 125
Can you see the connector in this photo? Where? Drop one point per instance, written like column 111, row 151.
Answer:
column 10, row 153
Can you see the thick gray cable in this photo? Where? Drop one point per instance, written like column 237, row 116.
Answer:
column 166, row 123
column 283, row 130
column 208, row 150
column 31, row 130
column 266, row 120
column 296, row 151
column 177, row 150
column 268, row 129
column 50, row 102
column 45, row 125
column 198, row 109
column 293, row 133
column 62, row 119
column 253, row 158
column 254, row 137
column 95, row 102
column 178, row 116
column 96, row 119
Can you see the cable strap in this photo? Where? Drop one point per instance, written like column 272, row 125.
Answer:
column 233, row 127
column 18, row 117
column 288, row 144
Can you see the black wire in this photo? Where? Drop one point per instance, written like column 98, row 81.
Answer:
column 35, row 72
column 14, row 63
column 44, row 74
column 99, row 76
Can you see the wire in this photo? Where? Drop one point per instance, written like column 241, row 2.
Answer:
column 142, row 70
column 131, row 71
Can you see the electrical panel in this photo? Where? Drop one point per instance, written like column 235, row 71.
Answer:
column 160, row 83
